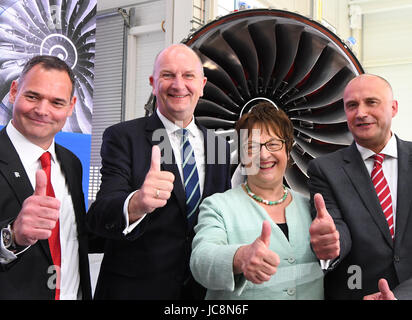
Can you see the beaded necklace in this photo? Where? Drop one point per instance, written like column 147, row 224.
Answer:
column 259, row 199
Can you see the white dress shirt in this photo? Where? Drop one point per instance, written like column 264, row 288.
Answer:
column 196, row 140
column 29, row 154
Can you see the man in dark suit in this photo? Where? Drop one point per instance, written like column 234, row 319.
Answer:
column 143, row 208
column 366, row 231
column 43, row 247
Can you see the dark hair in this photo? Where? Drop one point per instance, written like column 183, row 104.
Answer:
column 269, row 118
column 49, row 63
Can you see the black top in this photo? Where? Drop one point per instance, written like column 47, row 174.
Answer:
column 284, row 228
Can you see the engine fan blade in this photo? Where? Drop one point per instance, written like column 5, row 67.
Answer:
column 238, row 37
column 328, row 64
column 217, row 49
column 316, row 148
column 287, row 37
column 330, row 114
column 216, row 75
column 218, row 96
column 215, row 123
column 310, row 48
column 297, row 180
column 209, row 108
column 334, row 134
column 264, row 37
column 329, row 93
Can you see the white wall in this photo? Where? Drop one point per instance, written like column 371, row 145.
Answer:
column 387, row 51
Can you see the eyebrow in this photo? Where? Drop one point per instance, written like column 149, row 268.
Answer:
column 56, row 99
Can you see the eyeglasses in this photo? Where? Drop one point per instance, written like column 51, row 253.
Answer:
column 271, row 146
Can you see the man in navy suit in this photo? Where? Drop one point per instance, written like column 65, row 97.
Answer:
column 141, row 206
column 42, row 100
column 365, row 236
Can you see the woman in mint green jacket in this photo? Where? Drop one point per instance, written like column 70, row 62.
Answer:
column 253, row 242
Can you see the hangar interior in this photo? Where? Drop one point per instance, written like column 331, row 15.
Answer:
column 373, row 36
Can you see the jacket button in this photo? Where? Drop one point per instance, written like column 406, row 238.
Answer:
column 291, row 260
column 396, row 258
column 109, row 226
column 291, row 291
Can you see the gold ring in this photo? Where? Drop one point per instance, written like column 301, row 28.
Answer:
column 157, row 193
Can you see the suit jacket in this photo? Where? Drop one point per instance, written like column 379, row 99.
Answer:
column 152, row 262
column 27, row 276
column 367, row 252
column 231, row 219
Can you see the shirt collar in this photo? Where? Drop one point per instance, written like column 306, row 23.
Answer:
column 391, row 149
column 173, row 128
column 28, row 152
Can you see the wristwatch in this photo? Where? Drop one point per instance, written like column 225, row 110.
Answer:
column 7, row 237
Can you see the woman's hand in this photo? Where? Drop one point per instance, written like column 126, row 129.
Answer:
column 256, row 261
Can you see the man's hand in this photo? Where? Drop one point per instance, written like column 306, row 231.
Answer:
column 323, row 234
column 384, row 292
column 256, row 261
column 38, row 215
column 155, row 191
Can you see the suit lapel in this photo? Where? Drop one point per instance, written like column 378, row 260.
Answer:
column 208, row 184
column 15, row 174
column 12, row 169
column 356, row 170
column 156, row 135
column 404, row 184
column 72, row 182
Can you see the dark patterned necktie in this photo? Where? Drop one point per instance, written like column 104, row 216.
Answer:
column 190, row 177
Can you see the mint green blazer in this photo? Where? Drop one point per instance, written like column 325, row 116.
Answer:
column 231, row 219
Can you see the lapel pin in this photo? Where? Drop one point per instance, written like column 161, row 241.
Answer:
column 16, row 174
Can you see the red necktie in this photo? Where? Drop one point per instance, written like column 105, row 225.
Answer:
column 54, row 240
column 382, row 190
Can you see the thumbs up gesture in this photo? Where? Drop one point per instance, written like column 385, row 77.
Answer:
column 155, row 191
column 384, row 293
column 38, row 215
column 324, row 237
column 256, row 261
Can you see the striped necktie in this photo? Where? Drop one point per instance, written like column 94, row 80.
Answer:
column 54, row 239
column 190, row 177
column 382, row 190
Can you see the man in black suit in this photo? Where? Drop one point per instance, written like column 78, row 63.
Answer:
column 365, row 236
column 141, row 207
column 30, row 216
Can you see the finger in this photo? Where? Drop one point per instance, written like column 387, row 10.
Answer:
column 41, row 183
column 374, row 296
column 155, row 162
column 160, row 179
column 266, row 231
column 325, row 240
column 48, row 213
column 269, row 268
column 153, row 204
column 163, row 195
column 320, row 206
column 385, row 290
column 272, row 260
column 44, row 224
column 262, row 276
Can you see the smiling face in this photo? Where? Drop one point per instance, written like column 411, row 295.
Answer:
column 369, row 108
column 270, row 167
column 177, row 83
column 41, row 104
